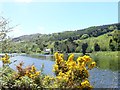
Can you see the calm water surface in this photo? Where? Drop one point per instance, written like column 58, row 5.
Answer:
column 99, row 78
column 38, row 62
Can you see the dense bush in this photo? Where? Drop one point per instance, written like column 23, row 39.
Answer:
column 84, row 48
column 73, row 74
column 96, row 47
column 69, row 74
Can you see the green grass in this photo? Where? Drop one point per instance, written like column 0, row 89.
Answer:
column 102, row 40
column 106, row 60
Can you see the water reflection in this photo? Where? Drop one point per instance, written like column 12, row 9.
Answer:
column 107, row 64
column 103, row 78
column 37, row 62
column 42, row 57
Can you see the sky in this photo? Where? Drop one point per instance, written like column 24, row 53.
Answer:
column 51, row 17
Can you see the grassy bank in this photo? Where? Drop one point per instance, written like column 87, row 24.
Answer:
column 106, row 60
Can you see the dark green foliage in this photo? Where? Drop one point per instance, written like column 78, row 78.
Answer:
column 111, row 45
column 78, row 49
column 116, row 36
column 67, row 41
column 96, row 47
column 84, row 36
column 114, row 43
column 68, row 50
column 84, row 47
column 67, row 46
column 71, row 35
column 51, row 50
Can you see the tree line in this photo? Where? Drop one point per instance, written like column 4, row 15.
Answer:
column 68, row 41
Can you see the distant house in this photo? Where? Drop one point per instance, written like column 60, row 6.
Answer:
column 47, row 51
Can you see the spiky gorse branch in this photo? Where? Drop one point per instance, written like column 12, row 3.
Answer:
column 29, row 71
column 5, row 59
column 73, row 73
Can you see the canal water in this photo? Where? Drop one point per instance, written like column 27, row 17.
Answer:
column 99, row 78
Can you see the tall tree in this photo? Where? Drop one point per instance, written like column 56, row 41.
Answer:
column 96, row 47
column 84, row 47
column 111, row 45
column 4, row 29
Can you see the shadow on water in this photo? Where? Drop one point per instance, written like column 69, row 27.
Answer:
column 42, row 57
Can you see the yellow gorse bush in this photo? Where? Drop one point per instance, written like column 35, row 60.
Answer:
column 74, row 73
column 69, row 73
column 32, row 73
column 29, row 71
column 5, row 59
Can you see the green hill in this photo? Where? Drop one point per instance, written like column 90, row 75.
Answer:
column 92, row 31
column 68, row 41
column 102, row 40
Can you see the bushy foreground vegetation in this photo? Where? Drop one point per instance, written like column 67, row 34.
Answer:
column 69, row 74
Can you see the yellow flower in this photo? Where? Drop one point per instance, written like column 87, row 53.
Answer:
column 56, row 55
column 27, row 73
column 60, row 59
column 62, row 55
column 68, row 72
column 61, row 74
column 59, row 77
column 86, row 72
column 80, row 60
column 37, row 73
column 46, row 77
column 71, row 57
column 66, row 78
column 33, row 69
column 87, row 58
column 85, row 84
column 32, row 76
column 81, row 66
column 55, row 67
column 93, row 64
column 5, row 59
column 73, row 64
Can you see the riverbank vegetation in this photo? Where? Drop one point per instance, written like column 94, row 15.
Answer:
column 96, row 38
column 102, row 43
column 104, row 59
column 107, row 60
column 102, row 40
column 68, row 74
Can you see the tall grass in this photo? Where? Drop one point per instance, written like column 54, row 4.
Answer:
column 106, row 60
